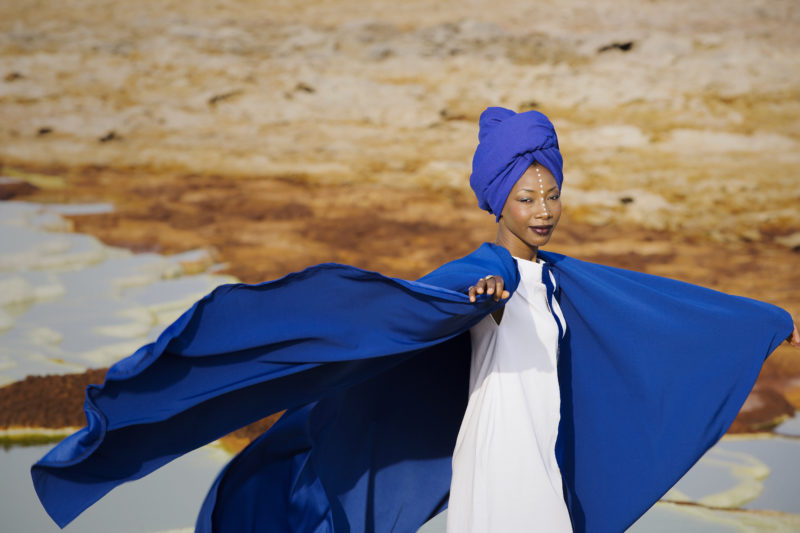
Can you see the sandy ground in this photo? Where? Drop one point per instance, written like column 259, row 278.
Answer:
column 283, row 134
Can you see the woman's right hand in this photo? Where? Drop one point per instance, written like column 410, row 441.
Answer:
column 491, row 285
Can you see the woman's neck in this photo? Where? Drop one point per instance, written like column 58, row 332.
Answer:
column 515, row 246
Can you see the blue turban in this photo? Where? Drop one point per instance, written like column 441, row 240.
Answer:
column 508, row 144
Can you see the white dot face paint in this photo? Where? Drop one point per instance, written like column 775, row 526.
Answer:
column 541, row 190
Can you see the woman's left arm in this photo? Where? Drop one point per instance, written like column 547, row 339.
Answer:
column 794, row 338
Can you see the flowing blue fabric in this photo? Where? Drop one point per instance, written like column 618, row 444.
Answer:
column 509, row 143
column 374, row 374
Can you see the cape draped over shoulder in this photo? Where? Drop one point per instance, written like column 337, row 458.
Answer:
column 374, row 374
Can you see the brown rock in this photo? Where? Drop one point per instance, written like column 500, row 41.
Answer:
column 46, row 401
column 764, row 409
column 11, row 188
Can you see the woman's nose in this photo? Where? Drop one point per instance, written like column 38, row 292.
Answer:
column 542, row 211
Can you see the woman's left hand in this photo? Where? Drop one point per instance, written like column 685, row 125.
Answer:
column 794, row 338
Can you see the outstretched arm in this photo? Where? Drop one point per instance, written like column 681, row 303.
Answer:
column 461, row 275
column 793, row 339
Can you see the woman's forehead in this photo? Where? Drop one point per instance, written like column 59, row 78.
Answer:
column 536, row 177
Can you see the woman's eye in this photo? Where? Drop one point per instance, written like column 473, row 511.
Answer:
column 526, row 200
column 555, row 197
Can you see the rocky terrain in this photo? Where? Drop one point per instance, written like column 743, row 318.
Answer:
column 286, row 133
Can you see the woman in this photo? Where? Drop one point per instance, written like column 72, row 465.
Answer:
column 376, row 384
column 505, row 473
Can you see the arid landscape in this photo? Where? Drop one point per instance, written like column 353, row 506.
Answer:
column 276, row 135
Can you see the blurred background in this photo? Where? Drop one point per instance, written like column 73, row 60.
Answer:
column 152, row 150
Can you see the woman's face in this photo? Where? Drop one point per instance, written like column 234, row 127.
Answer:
column 531, row 213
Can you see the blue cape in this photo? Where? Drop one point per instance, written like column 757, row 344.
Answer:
column 374, row 374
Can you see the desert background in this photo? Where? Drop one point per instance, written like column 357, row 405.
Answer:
column 251, row 139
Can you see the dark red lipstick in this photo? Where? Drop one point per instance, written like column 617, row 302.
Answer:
column 542, row 230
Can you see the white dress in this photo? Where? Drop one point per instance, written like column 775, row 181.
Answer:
column 505, row 475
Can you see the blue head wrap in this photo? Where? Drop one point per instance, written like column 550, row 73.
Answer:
column 509, row 143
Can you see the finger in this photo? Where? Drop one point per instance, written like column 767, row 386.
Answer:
column 481, row 286
column 491, row 284
column 499, row 288
column 471, row 292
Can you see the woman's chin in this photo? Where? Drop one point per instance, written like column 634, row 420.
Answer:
column 538, row 241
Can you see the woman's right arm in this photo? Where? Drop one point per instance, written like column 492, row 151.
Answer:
column 488, row 270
